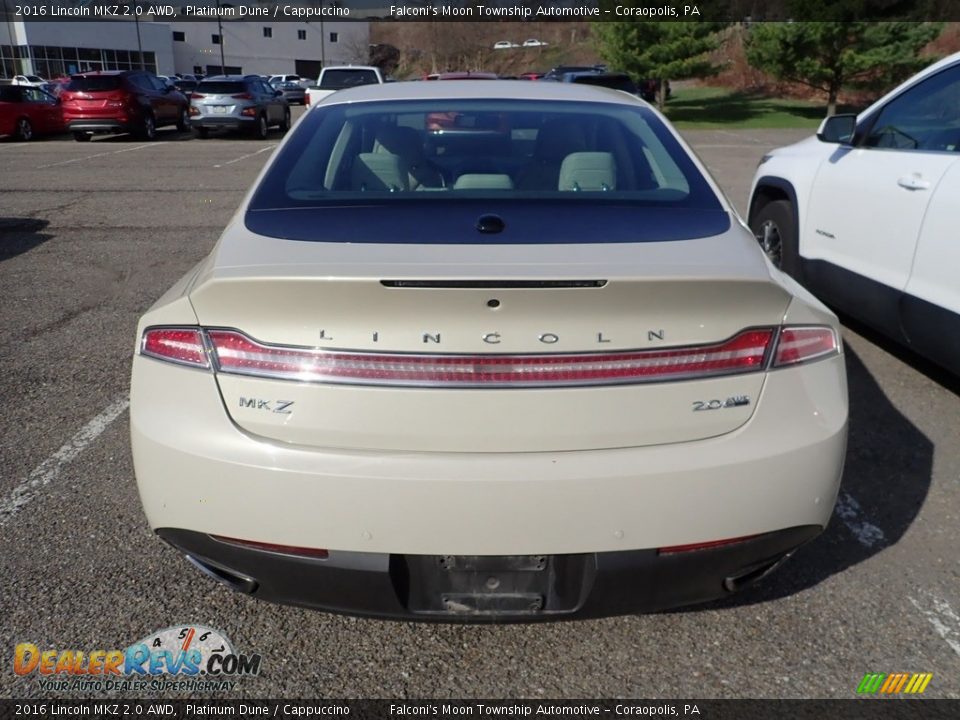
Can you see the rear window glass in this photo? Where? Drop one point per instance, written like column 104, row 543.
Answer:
column 8, row 93
column 507, row 149
column 95, row 83
column 223, row 87
column 340, row 79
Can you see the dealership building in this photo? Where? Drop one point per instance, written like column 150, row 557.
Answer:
column 54, row 48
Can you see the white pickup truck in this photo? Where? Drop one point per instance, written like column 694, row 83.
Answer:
column 342, row 76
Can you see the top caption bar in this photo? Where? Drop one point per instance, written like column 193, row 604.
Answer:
column 489, row 10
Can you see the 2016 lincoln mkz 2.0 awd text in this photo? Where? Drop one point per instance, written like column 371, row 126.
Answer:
column 487, row 353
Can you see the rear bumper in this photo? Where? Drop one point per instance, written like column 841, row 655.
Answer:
column 491, row 589
column 231, row 122
column 108, row 125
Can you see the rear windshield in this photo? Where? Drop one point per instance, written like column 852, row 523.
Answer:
column 95, row 83
column 222, row 87
column 395, row 151
column 340, row 79
column 9, row 93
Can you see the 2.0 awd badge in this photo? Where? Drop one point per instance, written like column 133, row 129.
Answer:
column 730, row 402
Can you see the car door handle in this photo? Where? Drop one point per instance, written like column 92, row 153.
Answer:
column 913, row 182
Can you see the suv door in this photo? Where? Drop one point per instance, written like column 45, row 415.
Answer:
column 165, row 108
column 886, row 182
column 267, row 99
column 931, row 306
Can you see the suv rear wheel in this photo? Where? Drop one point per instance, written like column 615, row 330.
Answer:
column 203, row 133
column 183, row 124
column 261, row 130
column 285, row 123
column 148, row 127
column 81, row 136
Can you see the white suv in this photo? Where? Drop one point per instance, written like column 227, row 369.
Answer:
column 865, row 214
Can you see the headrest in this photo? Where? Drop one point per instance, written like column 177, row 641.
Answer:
column 379, row 171
column 588, row 171
column 483, row 181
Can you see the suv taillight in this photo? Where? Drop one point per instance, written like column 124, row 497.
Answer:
column 196, row 96
column 243, row 96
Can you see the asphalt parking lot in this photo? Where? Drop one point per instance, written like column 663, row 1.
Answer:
column 91, row 234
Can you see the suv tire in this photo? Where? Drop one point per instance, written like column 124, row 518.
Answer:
column 24, row 129
column 183, row 124
column 148, row 127
column 261, row 130
column 775, row 229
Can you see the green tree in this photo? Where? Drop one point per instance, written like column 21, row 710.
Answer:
column 659, row 50
column 831, row 56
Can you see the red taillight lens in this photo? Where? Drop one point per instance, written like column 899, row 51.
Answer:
column 802, row 344
column 236, row 353
column 306, row 99
column 197, row 96
column 249, row 112
column 316, row 553
column 672, row 549
column 179, row 345
column 243, row 96
column 194, row 111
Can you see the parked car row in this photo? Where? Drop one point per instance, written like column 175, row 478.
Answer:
column 529, row 43
column 138, row 102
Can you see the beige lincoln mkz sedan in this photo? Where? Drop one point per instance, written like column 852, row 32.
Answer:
column 487, row 353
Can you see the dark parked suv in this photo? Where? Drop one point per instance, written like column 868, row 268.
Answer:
column 122, row 101
column 238, row 102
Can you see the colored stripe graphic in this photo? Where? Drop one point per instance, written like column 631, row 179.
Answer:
column 870, row 683
column 894, row 683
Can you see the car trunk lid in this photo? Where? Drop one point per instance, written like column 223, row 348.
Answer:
column 479, row 306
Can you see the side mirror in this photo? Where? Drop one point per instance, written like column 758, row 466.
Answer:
column 837, row 129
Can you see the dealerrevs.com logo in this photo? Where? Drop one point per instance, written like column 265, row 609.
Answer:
column 180, row 658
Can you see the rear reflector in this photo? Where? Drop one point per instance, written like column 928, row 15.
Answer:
column 673, row 549
column 802, row 344
column 179, row 345
column 316, row 553
column 237, row 353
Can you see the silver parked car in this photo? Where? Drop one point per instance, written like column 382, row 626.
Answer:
column 238, row 102
column 292, row 91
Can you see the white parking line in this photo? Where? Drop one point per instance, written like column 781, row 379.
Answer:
column 249, row 155
column 50, row 469
column 944, row 619
column 850, row 512
column 103, row 154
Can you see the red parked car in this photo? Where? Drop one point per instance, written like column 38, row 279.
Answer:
column 28, row 111
column 130, row 101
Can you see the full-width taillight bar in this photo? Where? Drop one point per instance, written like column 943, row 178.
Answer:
column 232, row 352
